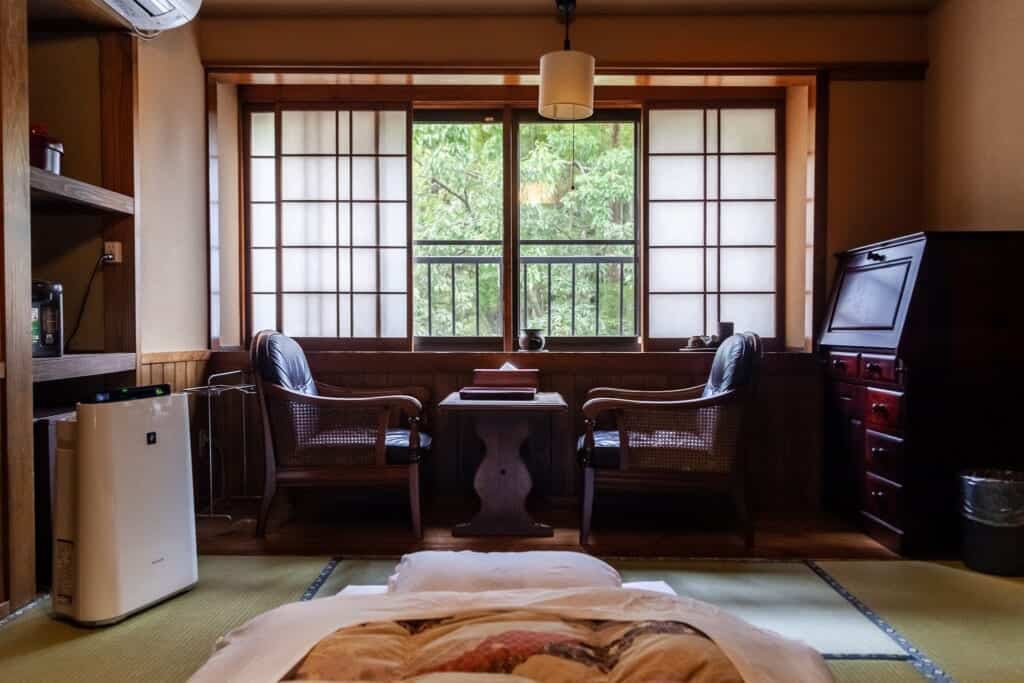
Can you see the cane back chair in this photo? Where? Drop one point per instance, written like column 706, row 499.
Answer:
column 318, row 435
column 677, row 439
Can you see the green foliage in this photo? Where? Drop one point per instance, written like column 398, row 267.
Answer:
column 577, row 182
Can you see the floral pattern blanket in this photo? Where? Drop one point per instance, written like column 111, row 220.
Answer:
column 521, row 645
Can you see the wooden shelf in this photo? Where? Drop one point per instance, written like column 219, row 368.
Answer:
column 81, row 365
column 51, row 192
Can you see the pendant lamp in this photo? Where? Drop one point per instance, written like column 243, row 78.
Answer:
column 566, row 77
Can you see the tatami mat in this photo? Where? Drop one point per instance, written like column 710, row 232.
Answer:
column 970, row 625
column 166, row 643
column 785, row 597
column 874, row 672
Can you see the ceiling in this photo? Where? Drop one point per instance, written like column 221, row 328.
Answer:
column 242, row 8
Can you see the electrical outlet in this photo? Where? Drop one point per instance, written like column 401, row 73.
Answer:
column 114, row 249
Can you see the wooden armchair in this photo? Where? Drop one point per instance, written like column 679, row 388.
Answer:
column 676, row 439
column 318, row 435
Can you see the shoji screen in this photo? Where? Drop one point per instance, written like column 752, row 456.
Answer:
column 328, row 223
column 712, row 221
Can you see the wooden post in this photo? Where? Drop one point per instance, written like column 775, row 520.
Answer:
column 17, row 514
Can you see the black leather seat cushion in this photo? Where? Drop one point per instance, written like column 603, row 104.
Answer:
column 281, row 361
column 397, row 446
column 606, row 448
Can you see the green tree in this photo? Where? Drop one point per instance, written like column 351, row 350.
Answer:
column 576, row 182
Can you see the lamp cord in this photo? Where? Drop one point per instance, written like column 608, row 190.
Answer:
column 572, row 163
column 85, row 299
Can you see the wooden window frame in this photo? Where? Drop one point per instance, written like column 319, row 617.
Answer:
column 468, row 115
column 772, row 343
column 298, row 97
column 634, row 115
column 246, row 109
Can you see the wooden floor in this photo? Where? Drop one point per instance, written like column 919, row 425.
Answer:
column 621, row 529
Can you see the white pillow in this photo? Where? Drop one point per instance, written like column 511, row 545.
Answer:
column 468, row 571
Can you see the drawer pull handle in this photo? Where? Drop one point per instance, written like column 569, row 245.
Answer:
column 873, row 368
column 875, row 256
column 876, row 451
column 839, row 364
column 878, row 494
column 880, row 408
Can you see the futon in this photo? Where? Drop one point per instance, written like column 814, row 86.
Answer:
column 574, row 634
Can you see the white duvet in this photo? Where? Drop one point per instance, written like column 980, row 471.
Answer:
column 268, row 647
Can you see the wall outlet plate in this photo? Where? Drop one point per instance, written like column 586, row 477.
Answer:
column 114, row 249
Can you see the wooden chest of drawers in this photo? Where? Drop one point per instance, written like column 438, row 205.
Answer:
column 918, row 338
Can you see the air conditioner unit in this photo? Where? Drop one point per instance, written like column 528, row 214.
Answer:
column 124, row 535
column 153, row 15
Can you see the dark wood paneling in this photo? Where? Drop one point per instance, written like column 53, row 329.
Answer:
column 118, row 100
column 17, row 518
column 787, row 424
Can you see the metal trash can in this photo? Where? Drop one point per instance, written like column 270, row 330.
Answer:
column 992, row 507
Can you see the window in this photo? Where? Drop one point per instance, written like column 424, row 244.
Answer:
column 327, row 221
column 458, row 224
column 373, row 227
column 713, row 221
column 577, row 228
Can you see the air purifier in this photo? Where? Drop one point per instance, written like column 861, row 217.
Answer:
column 124, row 525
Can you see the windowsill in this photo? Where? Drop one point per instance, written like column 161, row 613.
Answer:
column 562, row 353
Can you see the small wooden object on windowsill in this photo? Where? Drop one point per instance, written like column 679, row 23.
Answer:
column 701, row 344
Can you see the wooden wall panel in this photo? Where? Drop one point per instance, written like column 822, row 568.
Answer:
column 119, row 95
column 786, row 462
column 180, row 369
column 184, row 369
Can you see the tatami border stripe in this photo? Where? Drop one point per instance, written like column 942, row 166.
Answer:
column 322, row 577
column 867, row 658
column 23, row 609
column 925, row 665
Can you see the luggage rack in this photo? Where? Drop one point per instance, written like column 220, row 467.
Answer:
column 212, row 390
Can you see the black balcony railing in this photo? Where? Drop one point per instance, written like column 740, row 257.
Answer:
column 602, row 274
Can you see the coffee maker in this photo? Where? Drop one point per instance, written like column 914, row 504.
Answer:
column 47, row 319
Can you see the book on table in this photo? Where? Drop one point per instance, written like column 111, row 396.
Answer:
column 477, row 393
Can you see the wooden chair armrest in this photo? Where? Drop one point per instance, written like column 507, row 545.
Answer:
column 648, row 395
column 596, row 406
column 408, row 405
column 421, row 394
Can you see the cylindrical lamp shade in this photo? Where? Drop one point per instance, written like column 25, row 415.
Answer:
column 566, row 85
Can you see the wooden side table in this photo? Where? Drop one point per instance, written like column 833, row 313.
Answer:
column 502, row 480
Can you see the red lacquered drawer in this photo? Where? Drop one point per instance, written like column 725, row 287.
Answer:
column 844, row 365
column 883, row 409
column 884, row 500
column 883, row 455
column 881, row 368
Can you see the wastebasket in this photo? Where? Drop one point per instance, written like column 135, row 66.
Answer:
column 992, row 507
